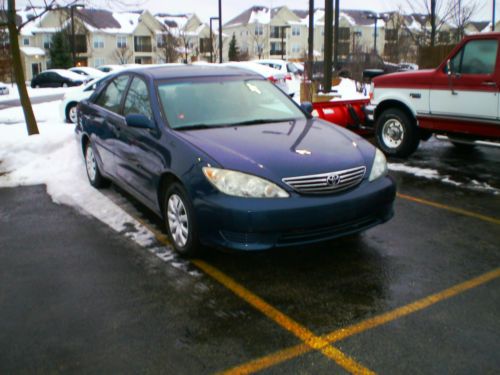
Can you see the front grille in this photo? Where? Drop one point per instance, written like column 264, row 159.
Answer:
column 330, row 182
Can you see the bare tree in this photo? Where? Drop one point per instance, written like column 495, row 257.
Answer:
column 123, row 54
column 462, row 15
column 184, row 44
column 258, row 38
column 167, row 47
column 397, row 39
column 14, row 24
column 437, row 13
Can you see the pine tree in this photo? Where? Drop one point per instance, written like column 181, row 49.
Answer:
column 60, row 51
column 234, row 52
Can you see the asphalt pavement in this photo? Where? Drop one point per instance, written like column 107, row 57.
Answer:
column 419, row 294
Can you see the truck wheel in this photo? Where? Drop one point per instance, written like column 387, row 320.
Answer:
column 396, row 133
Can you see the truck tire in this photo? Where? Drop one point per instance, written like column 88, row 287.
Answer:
column 396, row 133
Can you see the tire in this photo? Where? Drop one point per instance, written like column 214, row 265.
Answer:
column 396, row 133
column 71, row 113
column 180, row 223
column 93, row 173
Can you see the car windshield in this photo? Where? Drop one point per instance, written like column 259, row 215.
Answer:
column 228, row 102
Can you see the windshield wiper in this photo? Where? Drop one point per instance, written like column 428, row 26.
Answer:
column 262, row 121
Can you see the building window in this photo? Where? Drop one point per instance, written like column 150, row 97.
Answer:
column 259, row 49
column 26, row 41
column 205, row 45
column 276, row 48
column 296, row 48
column 344, row 33
column 81, row 43
column 98, row 61
column 98, row 41
column 259, row 30
column 296, row 30
column 121, row 41
column 391, row 34
column 161, row 41
column 142, row 44
column 47, row 41
column 275, row 31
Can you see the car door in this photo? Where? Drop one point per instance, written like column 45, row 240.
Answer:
column 139, row 160
column 104, row 121
column 469, row 95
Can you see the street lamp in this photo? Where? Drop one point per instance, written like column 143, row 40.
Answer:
column 211, row 39
column 220, row 31
column 375, row 17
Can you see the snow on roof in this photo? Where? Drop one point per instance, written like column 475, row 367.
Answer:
column 67, row 74
column 32, row 51
column 255, row 14
column 174, row 20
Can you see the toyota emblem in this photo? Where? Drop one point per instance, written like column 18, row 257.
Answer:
column 333, row 179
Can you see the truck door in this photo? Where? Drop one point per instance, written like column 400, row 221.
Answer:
column 469, row 95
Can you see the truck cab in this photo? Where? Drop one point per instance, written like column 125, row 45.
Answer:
column 459, row 99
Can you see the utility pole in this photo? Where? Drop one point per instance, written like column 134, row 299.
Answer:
column 375, row 17
column 336, row 36
column 493, row 17
column 310, row 41
column 220, row 31
column 327, row 72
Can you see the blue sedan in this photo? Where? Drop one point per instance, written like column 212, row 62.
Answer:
column 228, row 160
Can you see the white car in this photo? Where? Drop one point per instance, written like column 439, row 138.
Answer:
column 71, row 99
column 292, row 73
column 110, row 68
column 87, row 71
column 273, row 75
column 4, row 89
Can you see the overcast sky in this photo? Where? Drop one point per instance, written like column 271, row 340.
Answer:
column 231, row 8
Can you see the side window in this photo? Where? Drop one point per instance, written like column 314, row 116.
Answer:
column 137, row 99
column 111, row 97
column 476, row 57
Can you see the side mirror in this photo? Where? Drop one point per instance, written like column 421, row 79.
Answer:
column 448, row 67
column 307, row 107
column 136, row 120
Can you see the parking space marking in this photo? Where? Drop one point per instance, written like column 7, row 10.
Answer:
column 365, row 325
column 311, row 341
column 449, row 208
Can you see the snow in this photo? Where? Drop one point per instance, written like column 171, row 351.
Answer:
column 32, row 51
column 55, row 159
column 67, row 74
column 347, row 89
column 33, row 93
column 262, row 16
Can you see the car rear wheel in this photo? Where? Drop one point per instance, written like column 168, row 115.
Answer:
column 179, row 221
column 71, row 113
column 396, row 133
column 93, row 173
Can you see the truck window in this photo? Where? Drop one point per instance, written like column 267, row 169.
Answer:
column 476, row 57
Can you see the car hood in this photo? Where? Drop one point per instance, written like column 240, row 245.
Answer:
column 401, row 79
column 285, row 149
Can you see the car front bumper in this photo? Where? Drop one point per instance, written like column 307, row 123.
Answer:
column 259, row 224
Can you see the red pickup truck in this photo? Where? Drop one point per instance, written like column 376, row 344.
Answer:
column 459, row 99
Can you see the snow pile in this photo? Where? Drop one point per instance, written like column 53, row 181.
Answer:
column 33, row 93
column 349, row 89
column 55, row 159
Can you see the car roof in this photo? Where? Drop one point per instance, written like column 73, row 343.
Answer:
column 187, row 71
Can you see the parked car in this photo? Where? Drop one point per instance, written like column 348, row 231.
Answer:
column 4, row 89
column 228, row 160
column 273, row 75
column 58, row 78
column 71, row 99
column 292, row 73
column 91, row 73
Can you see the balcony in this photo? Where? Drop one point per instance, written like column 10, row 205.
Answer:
column 142, row 44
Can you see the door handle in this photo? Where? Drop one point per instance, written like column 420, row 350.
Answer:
column 489, row 83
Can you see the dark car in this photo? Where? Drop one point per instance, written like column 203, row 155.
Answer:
column 229, row 160
column 58, row 78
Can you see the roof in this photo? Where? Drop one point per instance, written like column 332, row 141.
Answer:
column 98, row 18
column 480, row 25
column 259, row 14
column 162, row 72
column 32, row 51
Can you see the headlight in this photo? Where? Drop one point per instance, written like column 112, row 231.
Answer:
column 379, row 167
column 242, row 185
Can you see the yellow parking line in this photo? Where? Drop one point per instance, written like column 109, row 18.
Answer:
column 449, row 208
column 343, row 333
column 309, row 338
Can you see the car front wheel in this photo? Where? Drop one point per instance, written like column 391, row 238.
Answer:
column 396, row 133
column 180, row 222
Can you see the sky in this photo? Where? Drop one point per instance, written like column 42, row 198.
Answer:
column 231, row 8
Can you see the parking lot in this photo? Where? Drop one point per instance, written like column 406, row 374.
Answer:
column 419, row 294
